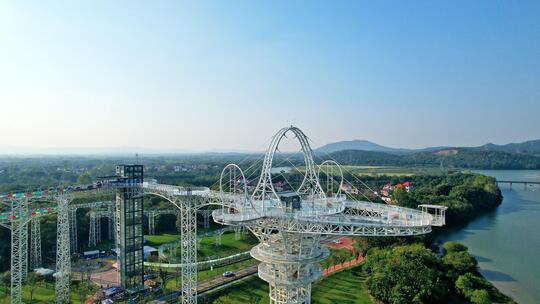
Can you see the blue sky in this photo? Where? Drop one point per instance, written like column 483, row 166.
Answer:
column 202, row 75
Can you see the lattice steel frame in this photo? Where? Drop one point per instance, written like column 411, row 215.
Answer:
column 94, row 229
column 19, row 247
column 74, row 242
column 35, row 243
column 63, row 254
column 310, row 185
column 151, row 223
column 188, row 245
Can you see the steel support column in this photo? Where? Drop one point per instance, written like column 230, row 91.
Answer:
column 206, row 218
column 63, row 254
column 74, row 245
column 111, row 225
column 151, row 223
column 237, row 232
column 94, row 231
column 19, row 253
column 188, row 244
column 35, row 243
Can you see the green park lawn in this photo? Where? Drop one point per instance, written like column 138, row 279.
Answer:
column 342, row 287
column 229, row 245
column 203, row 275
column 346, row 287
column 208, row 247
column 160, row 239
column 43, row 293
column 338, row 256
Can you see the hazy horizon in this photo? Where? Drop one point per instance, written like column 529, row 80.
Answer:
column 198, row 76
column 112, row 151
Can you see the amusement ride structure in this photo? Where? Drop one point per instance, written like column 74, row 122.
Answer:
column 288, row 224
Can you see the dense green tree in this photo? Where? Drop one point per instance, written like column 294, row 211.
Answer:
column 84, row 178
column 454, row 247
column 474, row 288
column 480, row 296
column 5, row 278
column 404, row 199
column 405, row 274
column 461, row 262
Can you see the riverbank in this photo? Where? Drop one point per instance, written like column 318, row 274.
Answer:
column 506, row 240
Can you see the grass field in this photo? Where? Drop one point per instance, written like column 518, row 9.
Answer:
column 43, row 293
column 229, row 245
column 380, row 170
column 208, row 247
column 160, row 239
column 345, row 287
column 208, row 274
column 338, row 256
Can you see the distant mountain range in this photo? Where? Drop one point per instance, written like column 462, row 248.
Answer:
column 531, row 147
column 527, row 147
column 366, row 145
column 524, row 155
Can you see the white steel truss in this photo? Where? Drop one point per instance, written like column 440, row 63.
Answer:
column 289, row 248
column 188, row 246
column 310, row 185
column 111, row 224
column 151, row 223
column 63, row 254
column 74, row 245
column 19, row 247
column 35, row 243
column 237, row 232
column 94, row 230
column 289, row 225
column 206, row 218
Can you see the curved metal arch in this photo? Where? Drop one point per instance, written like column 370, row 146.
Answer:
column 176, row 202
column 246, row 198
column 163, row 196
column 332, row 163
column 232, row 166
column 310, row 184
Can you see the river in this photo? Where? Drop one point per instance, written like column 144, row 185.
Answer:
column 506, row 241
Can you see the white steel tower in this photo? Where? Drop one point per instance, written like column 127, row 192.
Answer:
column 289, row 225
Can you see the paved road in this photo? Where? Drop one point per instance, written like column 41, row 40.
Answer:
column 218, row 281
column 240, row 273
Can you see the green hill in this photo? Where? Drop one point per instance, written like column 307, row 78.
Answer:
column 450, row 158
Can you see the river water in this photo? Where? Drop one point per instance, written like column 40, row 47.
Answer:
column 506, row 241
